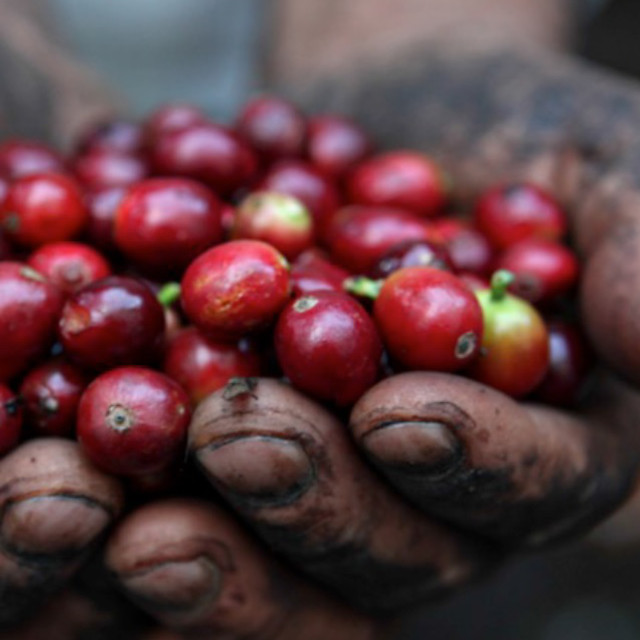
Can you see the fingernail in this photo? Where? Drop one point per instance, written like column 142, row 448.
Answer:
column 178, row 585
column 259, row 470
column 52, row 525
column 426, row 447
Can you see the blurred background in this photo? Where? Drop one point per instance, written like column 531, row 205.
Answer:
column 212, row 54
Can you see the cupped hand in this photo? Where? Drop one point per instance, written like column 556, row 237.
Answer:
column 328, row 528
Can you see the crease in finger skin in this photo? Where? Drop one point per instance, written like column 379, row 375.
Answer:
column 288, row 467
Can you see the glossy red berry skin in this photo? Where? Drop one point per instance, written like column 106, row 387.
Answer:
column 306, row 183
column 120, row 136
column 544, row 269
column 102, row 205
column 312, row 271
column 133, row 421
column 20, row 158
column 428, row 319
column 328, row 347
column 514, row 357
column 358, row 237
column 335, row 145
column 162, row 224
column 570, row 361
column 172, row 117
column 112, row 322
column 105, row 168
column 236, row 288
column 201, row 365
column 507, row 214
column 208, row 153
column 29, row 310
column 69, row 265
column 10, row 419
column 51, row 393
column 414, row 253
column 274, row 127
column 277, row 219
column 470, row 251
column 43, row 208
column 402, row 179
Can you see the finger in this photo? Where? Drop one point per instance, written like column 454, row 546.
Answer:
column 53, row 507
column 519, row 473
column 289, row 468
column 193, row 569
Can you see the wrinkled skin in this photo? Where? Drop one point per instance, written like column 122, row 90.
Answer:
column 462, row 473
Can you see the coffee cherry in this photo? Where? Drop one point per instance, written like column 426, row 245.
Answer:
column 69, row 265
column 236, row 288
column 201, row 365
column 120, row 136
column 29, row 310
column 328, row 346
column 105, row 168
column 133, row 421
column 42, row 208
column 10, row 419
column 162, row 224
column 112, row 322
column 402, row 179
column 19, row 158
column 414, row 253
column 515, row 348
column 509, row 213
column 428, row 319
column 51, row 393
column 312, row 271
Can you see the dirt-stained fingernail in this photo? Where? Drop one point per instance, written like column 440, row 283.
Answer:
column 424, row 446
column 258, row 470
column 52, row 525
column 177, row 586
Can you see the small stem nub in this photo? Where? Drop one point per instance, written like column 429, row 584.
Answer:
column 168, row 294
column 363, row 286
column 500, row 282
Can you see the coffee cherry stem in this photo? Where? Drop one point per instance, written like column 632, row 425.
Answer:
column 363, row 287
column 169, row 294
column 500, row 282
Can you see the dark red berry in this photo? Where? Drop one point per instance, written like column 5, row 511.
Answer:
column 278, row 219
column 358, row 237
column 201, row 365
column 29, row 310
column 428, row 319
column 105, row 168
column 312, row 271
column 413, row 253
column 102, row 205
column 121, row 136
column 162, row 224
column 328, row 346
column 336, row 144
column 570, row 361
column 508, row 214
column 19, row 158
column 10, row 419
column 470, row 251
column 69, row 265
column 543, row 269
column 51, row 393
column 515, row 348
column 274, row 127
column 133, row 421
column 304, row 182
column 402, row 179
column 206, row 152
column 43, row 208
column 112, row 322
column 236, row 288
column 172, row 117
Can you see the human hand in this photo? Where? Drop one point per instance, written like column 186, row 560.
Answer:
column 484, row 474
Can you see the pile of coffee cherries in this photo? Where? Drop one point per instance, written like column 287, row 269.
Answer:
column 162, row 259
